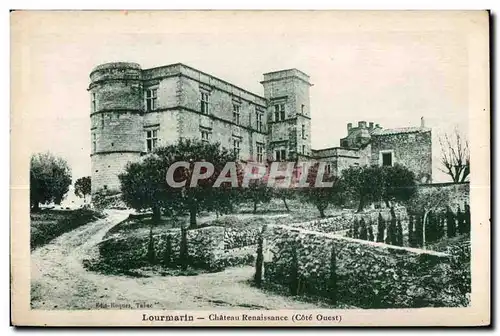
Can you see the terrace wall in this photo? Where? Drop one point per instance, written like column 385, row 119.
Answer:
column 356, row 272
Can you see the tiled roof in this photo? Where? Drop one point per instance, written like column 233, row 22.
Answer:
column 390, row 131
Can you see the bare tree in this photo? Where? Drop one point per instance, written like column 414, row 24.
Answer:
column 455, row 156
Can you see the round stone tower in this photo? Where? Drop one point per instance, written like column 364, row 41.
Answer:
column 116, row 121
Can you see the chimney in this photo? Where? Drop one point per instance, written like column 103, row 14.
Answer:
column 422, row 122
column 349, row 126
column 371, row 125
column 362, row 124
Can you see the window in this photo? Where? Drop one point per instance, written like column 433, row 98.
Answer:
column 236, row 147
column 205, row 136
column 94, row 102
column 102, row 120
column 236, row 114
column 345, row 143
column 303, row 109
column 280, row 155
column 303, row 149
column 303, row 131
column 328, row 169
column 151, row 139
column 94, row 142
column 151, row 99
column 260, row 152
column 258, row 117
column 386, row 159
column 204, row 102
column 279, row 112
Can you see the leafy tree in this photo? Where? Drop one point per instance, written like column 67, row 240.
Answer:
column 257, row 192
column 399, row 184
column 363, row 232
column 202, row 195
column 260, row 259
column 355, row 229
column 151, row 255
column 322, row 197
column 374, row 183
column 380, row 228
column 392, row 230
column 283, row 194
column 143, row 186
column 399, row 237
column 83, row 187
column 364, row 184
column 183, row 250
column 411, row 233
column 50, row 178
column 451, row 229
column 371, row 237
column 467, row 219
column 144, row 183
column 167, row 252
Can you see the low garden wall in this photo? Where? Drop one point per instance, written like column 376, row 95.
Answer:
column 345, row 220
column 357, row 272
column 205, row 246
column 240, row 236
column 459, row 193
column 211, row 248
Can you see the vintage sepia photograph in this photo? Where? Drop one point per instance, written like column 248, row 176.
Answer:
column 250, row 168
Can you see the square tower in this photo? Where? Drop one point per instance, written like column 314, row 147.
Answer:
column 287, row 94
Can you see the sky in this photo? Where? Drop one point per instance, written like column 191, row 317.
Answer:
column 389, row 69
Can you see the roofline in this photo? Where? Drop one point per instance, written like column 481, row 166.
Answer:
column 273, row 72
column 206, row 74
column 420, row 130
column 336, row 147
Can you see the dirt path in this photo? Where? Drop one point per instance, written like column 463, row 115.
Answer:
column 59, row 281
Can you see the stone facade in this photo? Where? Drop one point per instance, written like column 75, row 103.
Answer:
column 189, row 103
column 134, row 110
column 370, row 144
column 409, row 147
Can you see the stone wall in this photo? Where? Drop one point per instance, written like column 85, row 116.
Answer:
column 205, row 248
column 208, row 247
column 106, row 167
column 459, row 193
column 363, row 274
column 240, row 237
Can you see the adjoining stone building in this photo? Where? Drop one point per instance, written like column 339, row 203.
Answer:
column 370, row 144
column 135, row 110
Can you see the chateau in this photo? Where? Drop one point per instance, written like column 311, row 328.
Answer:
column 135, row 110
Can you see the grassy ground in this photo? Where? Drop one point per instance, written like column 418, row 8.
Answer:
column 49, row 224
column 273, row 212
